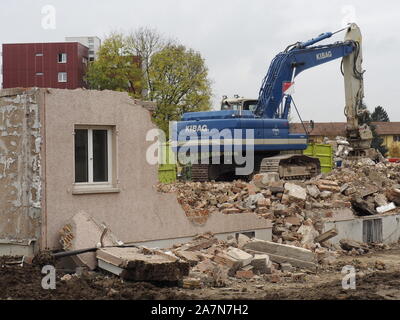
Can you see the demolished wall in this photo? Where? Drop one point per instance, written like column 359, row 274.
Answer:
column 20, row 168
column 135, row 212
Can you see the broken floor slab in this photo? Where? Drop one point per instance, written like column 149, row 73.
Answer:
column 133, row 264
column 282, row 253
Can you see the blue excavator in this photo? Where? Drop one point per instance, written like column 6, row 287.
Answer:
column 264, row 121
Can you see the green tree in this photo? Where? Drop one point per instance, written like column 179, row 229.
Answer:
column 115, row 68
column 179, row 81
column 380, row 115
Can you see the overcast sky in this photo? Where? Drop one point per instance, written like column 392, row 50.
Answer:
column 238, row 39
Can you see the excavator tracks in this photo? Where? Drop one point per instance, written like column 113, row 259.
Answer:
column 288, row 166
column 292, row 166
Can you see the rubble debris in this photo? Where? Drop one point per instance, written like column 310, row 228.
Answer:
column 348, row 244
column 240, row 255
column 362, row 207
column 394, row 195
column 295, row 192
column 244, row 274
column 242, row 240
column 386, row 208
column 134, row 264
column 282, row 253
column 308, row 232
column 262, row 264
column 326, row 235
column 83, row 231
column 286, row 267
column 191, row 283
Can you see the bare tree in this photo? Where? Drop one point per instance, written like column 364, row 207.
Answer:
column 144, row 42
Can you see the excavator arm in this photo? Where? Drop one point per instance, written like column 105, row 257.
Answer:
column 360, row 137
column 301, row 56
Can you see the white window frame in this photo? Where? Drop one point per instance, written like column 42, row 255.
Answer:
column 63, row 57
column 91, row 186
column 62, row 79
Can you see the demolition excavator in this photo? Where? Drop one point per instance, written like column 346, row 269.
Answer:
column 275, row 149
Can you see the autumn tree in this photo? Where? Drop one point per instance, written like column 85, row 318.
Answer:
column 173, row 76
column 115, row 67
column 179, row 80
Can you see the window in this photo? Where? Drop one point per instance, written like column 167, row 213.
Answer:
column 396, row 138
column 62, row 77
column 39, row 54
column 93, row 158
column 62, row 58
column 39, row 73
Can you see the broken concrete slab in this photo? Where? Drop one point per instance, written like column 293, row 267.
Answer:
column 326, row 235
column 264, row 180
column 284, row 250
column 132, row 264
column 240, row 255
column 295, row 192
column 386, row 208
column 242, row 240
column 231, row 264
column 262, row 264
column 308, row 232
column 313, row 191
column 285, row 259
column 82, row 232
column 348, row 244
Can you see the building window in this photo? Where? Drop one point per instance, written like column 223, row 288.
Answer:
column 93, row 156
column 62, row 77
column 39, row 54
column 62, row 58
column 396, row 138
column 39, row 73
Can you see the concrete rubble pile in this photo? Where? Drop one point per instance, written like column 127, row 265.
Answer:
column 298, row 208
column 218, row 263
column 207, row 261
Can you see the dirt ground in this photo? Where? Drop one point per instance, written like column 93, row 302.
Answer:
column 377, row 277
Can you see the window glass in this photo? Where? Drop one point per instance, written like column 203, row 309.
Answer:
column 100, row 156
column 62, row 57
column 62, row 77
column 81, row 155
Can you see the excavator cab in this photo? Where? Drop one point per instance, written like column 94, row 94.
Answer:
column 239, row 104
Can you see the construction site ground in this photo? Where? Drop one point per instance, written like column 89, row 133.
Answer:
column 377, row 277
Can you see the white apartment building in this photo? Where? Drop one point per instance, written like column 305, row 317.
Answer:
column 93, row 43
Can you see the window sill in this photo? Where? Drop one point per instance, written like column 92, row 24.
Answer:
column 94, row 189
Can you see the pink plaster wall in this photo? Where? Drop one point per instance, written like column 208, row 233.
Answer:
column 137, row 212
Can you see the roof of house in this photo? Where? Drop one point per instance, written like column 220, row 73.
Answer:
column 339, row 128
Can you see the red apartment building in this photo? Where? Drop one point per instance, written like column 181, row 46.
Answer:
column 46, row 65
